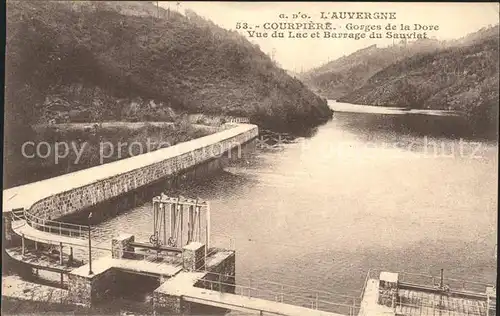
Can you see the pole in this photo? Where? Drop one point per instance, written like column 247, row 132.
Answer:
column 23, row 247
column 192, row 220
column 441, row 282
column 164, row 223
column 171, row 220
column 199, row 223
column 441, row 285
column 196, row 221
column 182, row 222
column 90, row 248
column 154, row 218
column 61, row 253
column 207, row 237
column 189, row 223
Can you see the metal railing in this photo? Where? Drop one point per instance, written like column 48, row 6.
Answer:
column 202, row 264
column 452, row 283
column 23, row 217
column 161, row 255
column 430, row 281
column 58, row 228
column 282, row 293
column 47, row 252
column 18, row 219
column 152, row 256
column 176, row 257
column 18, row 212
column 256, row 288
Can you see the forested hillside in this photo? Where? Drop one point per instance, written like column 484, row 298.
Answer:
column 463, row 78
column 88, row 61
column 82, row 61
column 342, row 76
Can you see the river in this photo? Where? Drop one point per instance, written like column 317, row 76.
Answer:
column 358, row 194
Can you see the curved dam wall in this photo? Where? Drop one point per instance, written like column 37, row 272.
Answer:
column 80, row 190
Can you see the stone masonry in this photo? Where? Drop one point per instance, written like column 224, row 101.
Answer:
column 193, row 256
column 8, row 233
column 221, row 274
column 121, row 248
column 167, row 304
column 388, row 289
column 491, row 295
column 89, row 290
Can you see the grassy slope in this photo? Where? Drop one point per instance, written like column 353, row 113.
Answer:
column 182, row 62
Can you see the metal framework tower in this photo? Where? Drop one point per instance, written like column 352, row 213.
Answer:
column 177, row 221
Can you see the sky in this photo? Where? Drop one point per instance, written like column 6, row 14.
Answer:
column 454, row 20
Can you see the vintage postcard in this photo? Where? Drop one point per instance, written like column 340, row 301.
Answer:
column 250, row 158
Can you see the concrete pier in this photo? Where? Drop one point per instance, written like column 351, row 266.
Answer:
column 193, row 256
column 388, row 289
column 120, row 246
column 491, row 300
column 198, row 273
column 90, row 289
column 390, row 295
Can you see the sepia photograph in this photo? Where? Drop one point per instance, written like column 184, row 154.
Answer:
column 250, row 158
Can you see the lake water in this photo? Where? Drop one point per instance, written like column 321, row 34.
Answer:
column 358, row 194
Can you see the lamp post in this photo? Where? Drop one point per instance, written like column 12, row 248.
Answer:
column 90, row 246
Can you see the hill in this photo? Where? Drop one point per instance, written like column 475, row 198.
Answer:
column 342, row 76
column 463, row 78
column 474, row 37
column 87, row 61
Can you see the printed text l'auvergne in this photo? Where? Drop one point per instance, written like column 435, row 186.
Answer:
column 358, row 15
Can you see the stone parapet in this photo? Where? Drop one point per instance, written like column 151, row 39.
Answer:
column 221, row 271
column 167, row 304
column 89, row 290
column 193, row 256
column 167, row 299
column 120, row 246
